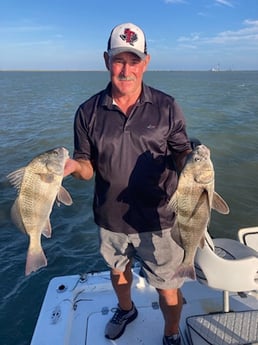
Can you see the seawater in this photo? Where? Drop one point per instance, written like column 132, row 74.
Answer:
column 36, row 114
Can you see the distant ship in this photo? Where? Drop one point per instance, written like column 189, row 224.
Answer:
column 216, row 68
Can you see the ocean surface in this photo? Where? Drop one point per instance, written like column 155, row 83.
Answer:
column 36, row 114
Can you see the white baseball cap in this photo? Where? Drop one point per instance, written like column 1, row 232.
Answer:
column 127, row 37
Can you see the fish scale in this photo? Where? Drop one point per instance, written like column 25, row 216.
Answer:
column 32, row 189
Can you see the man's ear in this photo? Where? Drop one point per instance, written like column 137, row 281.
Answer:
column 146, row 61
column 106, row 58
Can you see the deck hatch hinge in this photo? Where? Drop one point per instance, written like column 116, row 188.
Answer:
column 104, row 311
column 155, row 305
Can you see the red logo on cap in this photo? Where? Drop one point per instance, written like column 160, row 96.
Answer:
column 129, row 36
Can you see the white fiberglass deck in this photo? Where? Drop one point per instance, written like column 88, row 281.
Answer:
column 76, row 311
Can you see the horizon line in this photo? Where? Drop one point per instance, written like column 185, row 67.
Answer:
column 150, row 70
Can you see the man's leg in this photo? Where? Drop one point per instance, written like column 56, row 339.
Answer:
column 122, row 282
column 171, row 303
column 126, row 311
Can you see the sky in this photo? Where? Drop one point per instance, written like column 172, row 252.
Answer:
column 181, row 34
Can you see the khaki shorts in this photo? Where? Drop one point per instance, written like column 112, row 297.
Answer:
column 157, row 252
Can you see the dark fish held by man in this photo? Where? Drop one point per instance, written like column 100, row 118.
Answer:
column 192, row 202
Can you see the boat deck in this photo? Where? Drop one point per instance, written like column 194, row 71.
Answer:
column 76, row 310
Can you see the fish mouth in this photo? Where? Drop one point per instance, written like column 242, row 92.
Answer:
column 201, row 152
column 62, row 151
column 66, row 152
column 56, row 159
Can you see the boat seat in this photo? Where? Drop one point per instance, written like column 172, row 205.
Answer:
column 249, row 237
column 227, row 265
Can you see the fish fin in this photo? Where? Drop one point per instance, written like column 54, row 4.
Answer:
column 204, row 198
column 175, row 233
column 173, row 203
column 35, row 260
column 64, row 197
column 15, row 178
column 47, row 178
column 185, row 271
column 47, row 231
column 202, row 242
column 219, row 204
column 16, row 217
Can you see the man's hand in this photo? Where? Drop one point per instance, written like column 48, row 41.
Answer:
column 81, row 169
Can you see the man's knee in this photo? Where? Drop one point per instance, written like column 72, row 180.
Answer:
column 171, row 296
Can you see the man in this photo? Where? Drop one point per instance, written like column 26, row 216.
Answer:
column 133, row 138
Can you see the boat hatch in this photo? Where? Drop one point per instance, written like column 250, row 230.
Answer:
column 233, row 328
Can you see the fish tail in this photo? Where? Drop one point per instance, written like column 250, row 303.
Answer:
column 185, row 271
column 35, row 260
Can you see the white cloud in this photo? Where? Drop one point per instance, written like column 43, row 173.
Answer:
column 24, row 28
column 195, row 36
column 247, row 35
column 187, row 46
column 224, row 2
column 33, row 43
column 202, row 14
column 176, row 2
column 251, row 22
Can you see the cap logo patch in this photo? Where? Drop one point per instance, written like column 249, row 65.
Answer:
column 129, row 36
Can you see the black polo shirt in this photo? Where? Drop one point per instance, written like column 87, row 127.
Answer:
column 135, row 174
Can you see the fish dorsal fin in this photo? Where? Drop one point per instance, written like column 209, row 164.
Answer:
column 219, row 204
column 47, row 231
column 63, row 197
column 15, row 178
